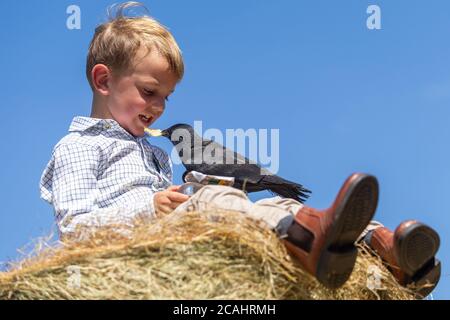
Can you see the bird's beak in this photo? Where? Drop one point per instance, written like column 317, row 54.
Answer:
column 165, row 133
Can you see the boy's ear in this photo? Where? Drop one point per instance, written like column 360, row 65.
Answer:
column 101, row 76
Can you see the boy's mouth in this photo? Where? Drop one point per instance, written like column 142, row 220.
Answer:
column 146, row 120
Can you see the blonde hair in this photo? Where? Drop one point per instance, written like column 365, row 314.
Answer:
column 116, row 42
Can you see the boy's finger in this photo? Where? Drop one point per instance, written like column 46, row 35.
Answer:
column 163, row 210
column 174, row 205
column 177, row 197
column 166, row 209
column 173, row 188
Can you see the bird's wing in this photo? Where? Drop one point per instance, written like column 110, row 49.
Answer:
column 227, row 153
column 229, row 163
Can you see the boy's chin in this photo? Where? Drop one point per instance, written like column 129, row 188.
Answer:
column 139, row 133
column 136, row 131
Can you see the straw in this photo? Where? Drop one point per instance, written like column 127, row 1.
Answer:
column 196, row 255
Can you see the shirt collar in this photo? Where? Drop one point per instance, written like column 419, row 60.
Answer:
column 85, row 123
column 82, row 124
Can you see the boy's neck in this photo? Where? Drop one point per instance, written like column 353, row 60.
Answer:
column 99, row 110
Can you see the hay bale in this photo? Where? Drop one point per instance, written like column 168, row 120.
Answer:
column 206, row 255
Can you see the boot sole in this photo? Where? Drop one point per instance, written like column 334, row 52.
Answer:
column 352, row 215
column 416, row 246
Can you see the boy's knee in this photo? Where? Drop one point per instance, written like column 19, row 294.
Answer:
column 286, row 204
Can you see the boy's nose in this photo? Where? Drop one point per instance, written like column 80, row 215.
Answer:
column 158, row 107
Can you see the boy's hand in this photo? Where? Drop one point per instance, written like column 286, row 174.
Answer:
column 168, row 200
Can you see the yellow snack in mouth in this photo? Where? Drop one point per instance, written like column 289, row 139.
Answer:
column 153, row 132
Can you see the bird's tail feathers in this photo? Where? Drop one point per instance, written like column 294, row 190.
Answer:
column 285, row 188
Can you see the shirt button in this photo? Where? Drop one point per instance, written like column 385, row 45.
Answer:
column 107, row 126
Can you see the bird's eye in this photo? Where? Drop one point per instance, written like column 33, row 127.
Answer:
column 181, row 138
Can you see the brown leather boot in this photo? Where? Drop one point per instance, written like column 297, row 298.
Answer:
column 409, row 254
column 331, row 254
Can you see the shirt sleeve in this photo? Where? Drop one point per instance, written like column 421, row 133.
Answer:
column 74, row 192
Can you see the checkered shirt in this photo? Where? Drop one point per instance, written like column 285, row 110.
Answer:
column 99, row 174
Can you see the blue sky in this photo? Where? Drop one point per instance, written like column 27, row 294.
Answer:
column 345, row 98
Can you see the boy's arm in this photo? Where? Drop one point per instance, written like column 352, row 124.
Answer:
column 75, row 191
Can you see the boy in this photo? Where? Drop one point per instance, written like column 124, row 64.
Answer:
column 106, row 172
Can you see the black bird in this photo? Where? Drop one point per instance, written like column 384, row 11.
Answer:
column 220, row 161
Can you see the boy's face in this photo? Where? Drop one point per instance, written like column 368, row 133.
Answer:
column 136, row 98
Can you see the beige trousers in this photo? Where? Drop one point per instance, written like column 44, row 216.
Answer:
column 277, row 213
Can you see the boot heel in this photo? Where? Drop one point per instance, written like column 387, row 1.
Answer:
column 427, row 279
column 335, row 267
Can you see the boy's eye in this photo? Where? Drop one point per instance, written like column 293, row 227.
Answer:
column 151, row 93
column 148, row 92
